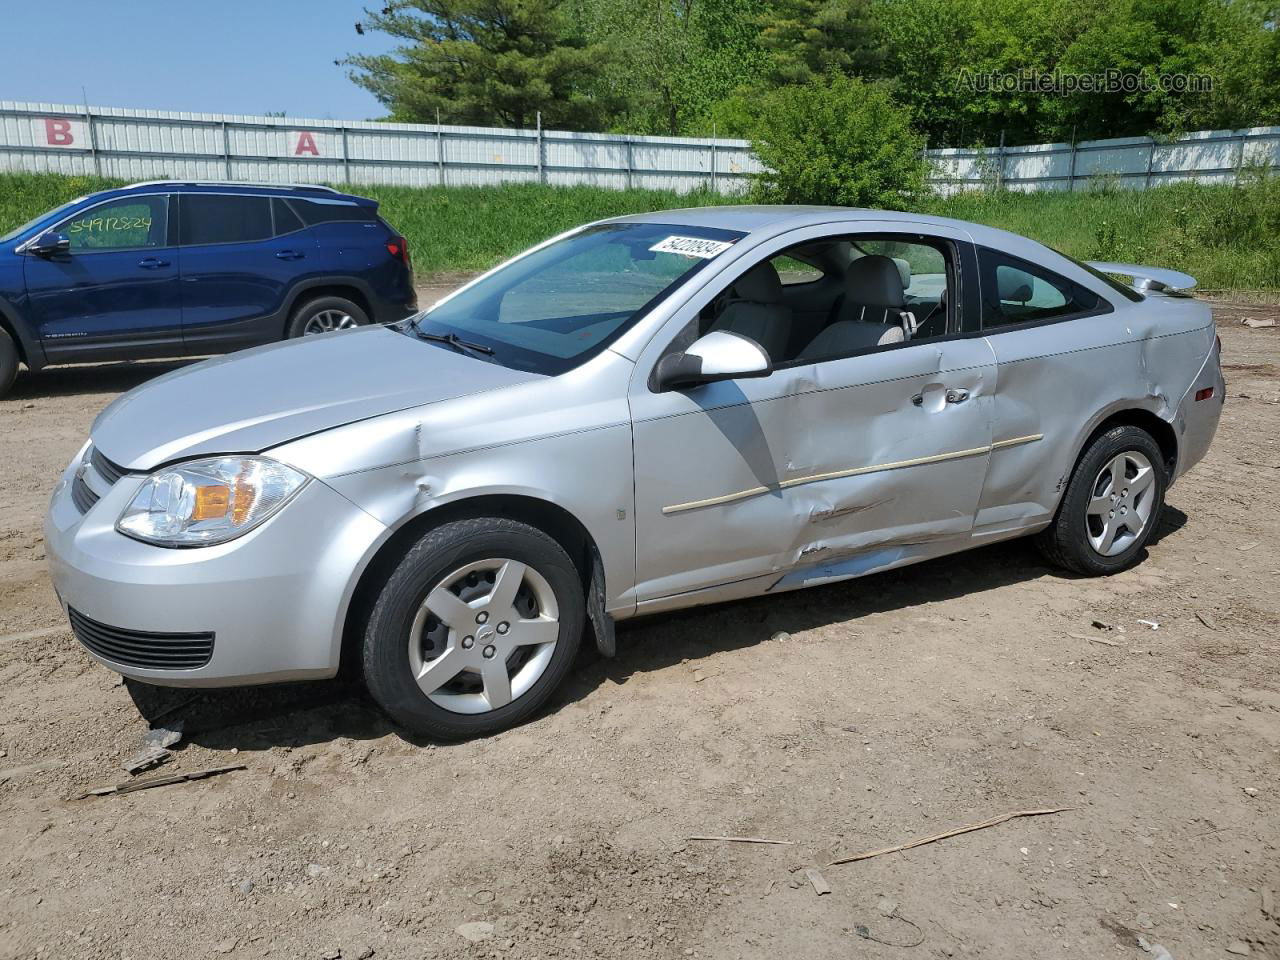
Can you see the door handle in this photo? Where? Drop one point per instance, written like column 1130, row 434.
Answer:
column 289, row 255
column 152, row 263
column 950, row 395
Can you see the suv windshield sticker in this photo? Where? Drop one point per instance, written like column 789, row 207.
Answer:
column 691, row 247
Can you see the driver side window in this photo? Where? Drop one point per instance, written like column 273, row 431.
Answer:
column 861, row 293
column 125, row 224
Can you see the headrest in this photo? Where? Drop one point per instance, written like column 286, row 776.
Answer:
column 1015, row 286
column 904, row 271
column 875, row 282
column 760, row 284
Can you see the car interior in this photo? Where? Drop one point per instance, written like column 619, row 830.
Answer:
column 839, row 296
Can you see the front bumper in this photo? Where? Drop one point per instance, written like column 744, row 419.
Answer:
column 274, row 599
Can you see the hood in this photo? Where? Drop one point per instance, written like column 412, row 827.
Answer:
column 250, row 401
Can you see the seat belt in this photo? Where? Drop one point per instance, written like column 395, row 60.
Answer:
column 909, row 323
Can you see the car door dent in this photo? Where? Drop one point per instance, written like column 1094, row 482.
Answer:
column 844, row 474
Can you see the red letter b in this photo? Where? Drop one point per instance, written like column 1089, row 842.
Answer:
column 58, row 132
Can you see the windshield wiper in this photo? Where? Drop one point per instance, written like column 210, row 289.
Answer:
column 453, row 340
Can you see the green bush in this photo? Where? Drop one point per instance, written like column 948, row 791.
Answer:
column 837, row 140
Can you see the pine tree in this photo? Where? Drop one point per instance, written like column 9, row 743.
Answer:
column 484, row 62
column 813, row 38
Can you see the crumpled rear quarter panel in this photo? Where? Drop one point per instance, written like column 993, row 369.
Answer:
column 1063, row 380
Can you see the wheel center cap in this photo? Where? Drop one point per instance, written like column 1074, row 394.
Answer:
column 484, row 634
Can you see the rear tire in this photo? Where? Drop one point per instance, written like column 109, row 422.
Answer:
column 8, row 362
column 474, row 629
column 325, row 314
column 1112, row 504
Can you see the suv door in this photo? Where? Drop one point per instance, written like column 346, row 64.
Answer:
column 115, row 293
column 821, row 471
column 241, row 254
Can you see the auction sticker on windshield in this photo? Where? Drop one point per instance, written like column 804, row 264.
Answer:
column 691, row 247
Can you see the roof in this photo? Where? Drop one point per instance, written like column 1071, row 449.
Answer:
column 314, row 191
column 762, row 218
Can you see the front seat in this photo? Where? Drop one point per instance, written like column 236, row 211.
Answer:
column 872, row 313
column 755, row 309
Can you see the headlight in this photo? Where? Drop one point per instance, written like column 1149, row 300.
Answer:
column 208, row 501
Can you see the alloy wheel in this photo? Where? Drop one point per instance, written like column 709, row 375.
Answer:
column 1120, row 505
column 329, row 320
column 484, row 635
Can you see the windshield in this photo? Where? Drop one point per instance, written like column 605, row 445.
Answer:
column 47, row 215
column 556, row 307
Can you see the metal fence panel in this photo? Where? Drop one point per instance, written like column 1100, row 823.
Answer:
column 154, row 144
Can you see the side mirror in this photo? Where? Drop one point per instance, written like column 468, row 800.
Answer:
column 48, row 244
column 720, row 355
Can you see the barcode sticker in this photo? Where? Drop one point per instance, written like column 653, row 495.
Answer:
column 691, row 247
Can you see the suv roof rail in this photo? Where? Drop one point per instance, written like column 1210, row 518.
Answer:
column 236, row 183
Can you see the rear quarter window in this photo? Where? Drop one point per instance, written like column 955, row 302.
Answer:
column 312, row 212
column 1016, row 291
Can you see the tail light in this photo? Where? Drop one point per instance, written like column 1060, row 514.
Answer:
column 398, row 247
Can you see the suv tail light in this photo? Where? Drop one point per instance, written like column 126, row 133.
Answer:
column 398, row 247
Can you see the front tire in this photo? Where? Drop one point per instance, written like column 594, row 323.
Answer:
column 1112, row 504
column 474, row 629
column 324, row 315
column 8, row 362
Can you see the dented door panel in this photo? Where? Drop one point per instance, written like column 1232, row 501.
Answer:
column 809, row 466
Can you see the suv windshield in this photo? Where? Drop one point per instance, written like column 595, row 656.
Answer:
column 559, row 306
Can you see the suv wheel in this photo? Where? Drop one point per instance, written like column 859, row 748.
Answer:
column 1112, row 504
column 474, row 629
column 8, row 362
column 325, row 314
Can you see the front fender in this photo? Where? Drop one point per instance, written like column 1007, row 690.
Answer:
column 587, row 475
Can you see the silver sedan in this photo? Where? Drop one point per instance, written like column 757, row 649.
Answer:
column 642, row 414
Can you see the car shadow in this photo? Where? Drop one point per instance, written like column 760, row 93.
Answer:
column 90, row 378
column 299, row 714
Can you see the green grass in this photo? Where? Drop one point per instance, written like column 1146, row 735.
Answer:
column 1227, row 237
column 471, row 228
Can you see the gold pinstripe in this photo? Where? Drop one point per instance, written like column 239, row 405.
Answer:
column 852, row 472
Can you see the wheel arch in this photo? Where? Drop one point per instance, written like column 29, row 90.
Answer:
column 1161, row 431
column 551, row 518
column 350, row 288
column 29, row 350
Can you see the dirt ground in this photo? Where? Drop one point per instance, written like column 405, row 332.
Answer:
column 841, row 719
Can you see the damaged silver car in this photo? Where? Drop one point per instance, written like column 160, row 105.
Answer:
column 642, row 414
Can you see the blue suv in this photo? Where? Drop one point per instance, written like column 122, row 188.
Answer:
column 172, row 269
